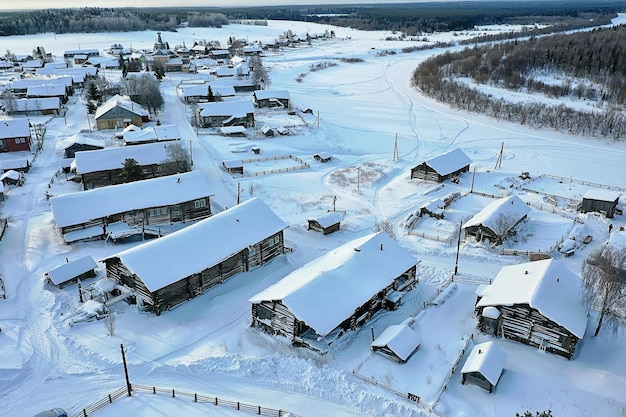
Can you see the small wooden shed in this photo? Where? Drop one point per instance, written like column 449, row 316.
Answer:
column 70, row 272
column 233, row 166
column 601, row 201
column 328, row 223
column 323, row 157
column 484, row 366
column 397, row 341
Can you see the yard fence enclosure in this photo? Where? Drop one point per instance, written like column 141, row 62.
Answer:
column 197, row 398
column 301, row 165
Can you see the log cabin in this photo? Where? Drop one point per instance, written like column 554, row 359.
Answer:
column 442, row 167
column 175, row 268
column 601, row 201
column 71, row 271
column 484, row 366
column 397, row 342
column 327, row 223
column 86, row 215
column 336, row 292
column 535, row 303
column 497, row 220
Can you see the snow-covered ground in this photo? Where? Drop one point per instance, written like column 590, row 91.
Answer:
column 206, row 345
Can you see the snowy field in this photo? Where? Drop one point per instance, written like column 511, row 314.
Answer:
column 361, row 110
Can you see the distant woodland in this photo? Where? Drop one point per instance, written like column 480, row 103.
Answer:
column 411, row 19
column 587, row 66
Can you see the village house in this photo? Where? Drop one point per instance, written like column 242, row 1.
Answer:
column 443, row 167
column 161, row 133
column 337, row 292
column 105, row 167
column 70, row 53
column 536, row 303
column 175, row 268
column 71, row 272
column 15, row 135
column 80, row 142
column 15, row 164
column 227, row 113
column 119, row 112
column 601, row 201
column 497, row 220
column 271, row 98
column 28, row 106
column 484, row 366
column 89, row 214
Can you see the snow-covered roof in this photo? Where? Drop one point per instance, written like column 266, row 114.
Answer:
column 15, row 163
column 123, row 102
column 328, row 219
column 488, row 359
column 153, row 134
column 400, row 339
column 602, row 194
column 14, row 128
column 46, row 90
column 226, row 71
column 230, row 130
column 37, row 104
column 267, row 94
column 327, row 290
column 83, row 206
column 239, row 108
column 113, row 158
column 510, row 208
column 70, row 270
column 80, row 139
column 547, row 286
column 204, row 244
column 434, row 206
column 10, row 174
column 449, row 162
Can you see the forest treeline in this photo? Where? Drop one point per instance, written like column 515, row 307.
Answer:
column 95, row 20
column 587, row 65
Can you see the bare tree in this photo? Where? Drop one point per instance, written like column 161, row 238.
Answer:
column 9, row 101
column 385, row 226
column 177, row 159
column 604, row 287
column 259, row 73
column 109, row 323
column 503, row 223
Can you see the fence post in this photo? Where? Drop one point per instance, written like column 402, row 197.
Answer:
column 237, row 405
column 259, row 410
column 173, row 393
column 154, row 390
column 215, row 400
column 195, row 398
column 110, row 399
column 84, row 413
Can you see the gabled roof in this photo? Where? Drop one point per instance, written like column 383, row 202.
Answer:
column 81, row 207
column 37, row 104
column 488, row 359
column 547, row 286
column 80, row 139
column 70, row 270
column 400, row 339
column 328, row 219
column 267, row 94
column 512, row 208
column 113, row 158
column 153, row 134
column 46, row 90
column 328, row 290
column 239, row 108
column 14, row 128
column 449, row 162
column 602, row 194
column 195, row 248
column 123, row 102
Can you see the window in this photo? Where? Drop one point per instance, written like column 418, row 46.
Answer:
column 200, row 203
column 263, row 313
column 20, row 140
column 251, row 250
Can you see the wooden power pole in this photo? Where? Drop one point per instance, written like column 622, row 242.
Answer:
column 128, row 386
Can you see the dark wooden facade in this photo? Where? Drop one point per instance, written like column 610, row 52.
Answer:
column 71, row 150
column 524, row 324
column 104, row 178
column 600, row 206
column 325, row 230
column 425, row 172
column 193, row 285
column 478, row 379
column 275, row 317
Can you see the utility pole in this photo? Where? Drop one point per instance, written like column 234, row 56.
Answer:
column 395, row 149
column 190, row 152
column 238, row 191
column 473, row 177
column 128, row 386
column 458, row 248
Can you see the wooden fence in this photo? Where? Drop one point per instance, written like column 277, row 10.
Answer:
column 302, row 165
column 3, row 227
column 197, row 398
column 592, row 184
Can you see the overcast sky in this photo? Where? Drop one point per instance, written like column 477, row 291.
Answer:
column 46, row 4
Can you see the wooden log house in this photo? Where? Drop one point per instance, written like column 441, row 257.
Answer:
column 497, row 219
column 601, row 201
column 176, row 198
column 175, row 268
column 538, row 304
column 484, row 366
column 337, row 292
column 442, row 167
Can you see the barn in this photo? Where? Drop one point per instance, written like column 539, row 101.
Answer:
column 327, row 223
column 536, row 303
column 601, row 201
column 484, row 366
column 175, row 268
column 442, row 167
column 497, row 220
column 137, row 205
column 336, row 292
column 71, row 271
column 397, row 341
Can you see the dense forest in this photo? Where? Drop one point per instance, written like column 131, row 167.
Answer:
column 588, row 66
column 412, row 19
column 103, row 20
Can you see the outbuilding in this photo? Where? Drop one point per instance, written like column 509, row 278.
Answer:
column 397, row 341
column 327, row 223
column 72, row 271
column 601, row 201
column 484, row 366
column 497, row 220
column 442, row 167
